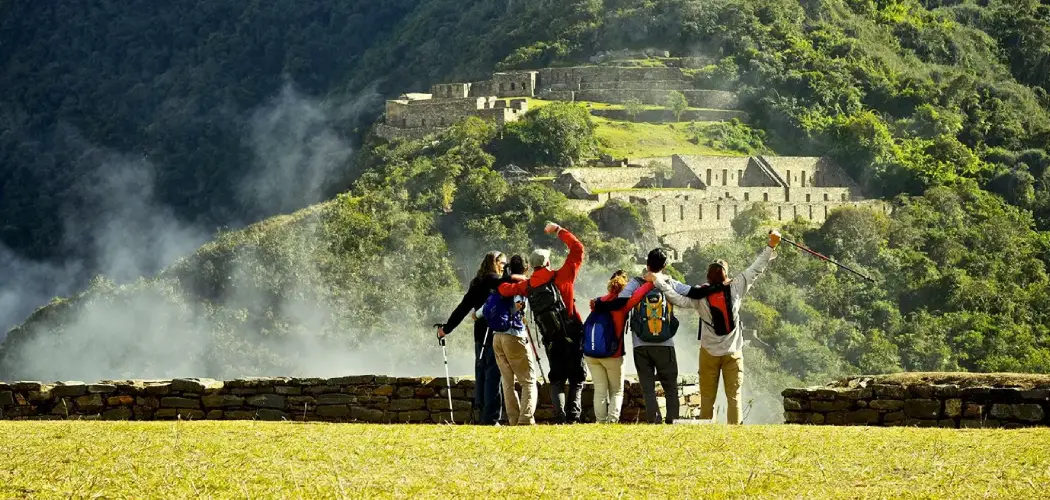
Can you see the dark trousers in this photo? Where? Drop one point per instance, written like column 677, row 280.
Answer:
column 487, row 398
column 566, row 366
column 657, row 363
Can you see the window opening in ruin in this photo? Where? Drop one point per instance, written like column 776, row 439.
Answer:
column 825, row 196
column 787, row 195
column 811, row 212
column 724, row 173
column 512, row 85
column 794, row 210
column 718, row 212
column 422, row 122
column 825, row 212
column 780, row 213
column 734, row 210
column 681, row 212
column 789, row 178
column 765, row 196
column 708, row 177
column 727, row 195
column 747, row 196
column 664, row 210
column 843, row 196
column 803, row 178
column 501, row 87
column 739, row 175
column 701, row 212
column 807, row 198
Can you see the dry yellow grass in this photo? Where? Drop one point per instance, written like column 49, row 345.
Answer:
column 286, row 460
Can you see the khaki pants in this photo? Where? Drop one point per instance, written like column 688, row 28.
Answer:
column 607, row 374
column 512, row 357
column 732, row 366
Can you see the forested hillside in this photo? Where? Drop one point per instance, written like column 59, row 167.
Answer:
column 941, row 107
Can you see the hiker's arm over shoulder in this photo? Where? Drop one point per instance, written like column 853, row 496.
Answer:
column 638, row 295
column 512, row 289
column 663, row 283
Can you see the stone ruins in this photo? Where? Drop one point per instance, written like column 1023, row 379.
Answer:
column 504, row 97
column 693, row 199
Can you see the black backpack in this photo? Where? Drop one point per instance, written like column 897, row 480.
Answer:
column 549, row 312
column 653, row 319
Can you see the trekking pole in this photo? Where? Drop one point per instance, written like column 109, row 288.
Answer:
column 448, row 380
column 536, row 353
column 824, row 258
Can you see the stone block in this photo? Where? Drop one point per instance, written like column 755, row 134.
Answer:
column 441, row 382
column 336, row 399
column 69, row 390
column 183, row 413
column 438, row 404
column 323, row 389
column 922, row 408
column 413, row 416
column 920, row 391
column 222, row 400
column 947, row 423
column 946, row 391
column 406, row 404
column 384, row 380
column 816, row 418
column 862, row 417
column 1028, row 412
column 101, row 388
column 856, row 393
column 214, row 415
column 243, row 391
column 406, row 392
column 411, row 381
column 970, row 423
column 307, row 381
column 366, row 414
column 372, row 400
column 151, row 403
column 1003, row 411
column 973, row 410
column 131, row 387
column 975, row 393
column 425, row 392
column 122, row 413
column 826, row 406
column 122, row 400
column 272, row 401
column 177, row 402
column 27, row 386
column 39, row 396
column 302, row 400
column 1036, row 394
column 886, row 404
column 90, row 403
column 953, row 408
column 333, row 411
column 288, row 390
column 351, row 380
column 7, row 398
column 862, row 404
column 158, row 389
column 889, row 391
column 793, row 417
column 895, row 417
column 271, row 415
column 465, row 384
column 795, row 393
column 824, row 394
column 198, row 385
column 795, row 404
column 384, row 390
column 238, row 415
column 142, row 413
column 255, row 382
column 1004, row 394
column 835, row 418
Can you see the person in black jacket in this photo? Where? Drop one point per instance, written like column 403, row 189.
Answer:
column 487, row 397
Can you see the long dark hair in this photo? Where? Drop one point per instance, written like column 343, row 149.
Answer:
column 488, row 264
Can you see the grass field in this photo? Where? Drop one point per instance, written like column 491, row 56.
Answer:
column 289, row 460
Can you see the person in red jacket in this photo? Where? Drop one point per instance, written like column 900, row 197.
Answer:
column 607, row 373
column 551, row 297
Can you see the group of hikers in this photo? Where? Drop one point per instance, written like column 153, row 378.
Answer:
column 504, row 289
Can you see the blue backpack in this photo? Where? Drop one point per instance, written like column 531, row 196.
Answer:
column 600, row 338
column 500, row 312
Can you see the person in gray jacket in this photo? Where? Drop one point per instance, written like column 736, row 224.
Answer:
column 721, row 339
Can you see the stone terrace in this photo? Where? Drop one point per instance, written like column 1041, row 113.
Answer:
column 360, row 398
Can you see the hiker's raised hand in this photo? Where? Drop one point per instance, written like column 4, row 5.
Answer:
column 774, row 238
column 441, row 332
column 551, row 228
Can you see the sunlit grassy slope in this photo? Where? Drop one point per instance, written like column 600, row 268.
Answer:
column 286, row 460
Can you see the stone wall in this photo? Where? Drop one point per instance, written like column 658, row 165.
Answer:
column 936, row 400
column 667, row 116
column 362, row 398
column 712, row 99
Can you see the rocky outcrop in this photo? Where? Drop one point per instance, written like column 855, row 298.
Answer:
column 922, row 402
column 359, row 398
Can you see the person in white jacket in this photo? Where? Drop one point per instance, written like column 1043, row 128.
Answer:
column 721, row 338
